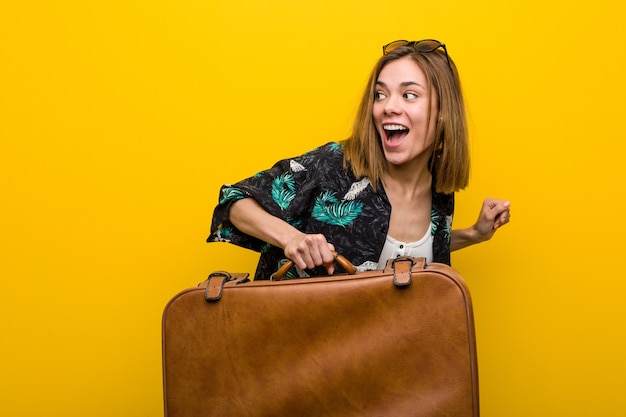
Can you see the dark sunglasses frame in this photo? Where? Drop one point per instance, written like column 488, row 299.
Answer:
column 424, row 46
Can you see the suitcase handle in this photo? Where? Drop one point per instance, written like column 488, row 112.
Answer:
column 340, row 259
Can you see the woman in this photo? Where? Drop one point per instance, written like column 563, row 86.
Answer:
column 388, row 190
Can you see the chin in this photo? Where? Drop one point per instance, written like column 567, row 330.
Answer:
column 394, row 159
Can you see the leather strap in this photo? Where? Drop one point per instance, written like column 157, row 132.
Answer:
column 403, row 267
column 402, row 271
column 215, row 285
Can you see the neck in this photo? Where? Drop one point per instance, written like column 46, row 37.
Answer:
column 407, row 181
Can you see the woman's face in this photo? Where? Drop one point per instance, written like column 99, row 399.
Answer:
column 401, row 109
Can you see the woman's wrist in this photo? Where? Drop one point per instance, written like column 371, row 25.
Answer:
column 461, row 238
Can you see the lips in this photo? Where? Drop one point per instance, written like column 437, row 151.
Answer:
column 394, row 134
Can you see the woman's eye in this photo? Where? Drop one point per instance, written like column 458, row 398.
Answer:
column 410, row 96
column 379, row 96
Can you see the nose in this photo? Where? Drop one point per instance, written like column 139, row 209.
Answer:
column 392, row 105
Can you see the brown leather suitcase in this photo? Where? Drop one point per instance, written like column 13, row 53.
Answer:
column 392, row 343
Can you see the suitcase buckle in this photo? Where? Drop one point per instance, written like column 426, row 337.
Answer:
column 402, row 266
column 215, row 285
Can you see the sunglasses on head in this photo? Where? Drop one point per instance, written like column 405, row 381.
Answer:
column 424, row 46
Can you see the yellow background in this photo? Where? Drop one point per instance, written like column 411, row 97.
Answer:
column 120, row 119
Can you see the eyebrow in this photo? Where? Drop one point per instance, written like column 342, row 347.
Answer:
column 402, row 84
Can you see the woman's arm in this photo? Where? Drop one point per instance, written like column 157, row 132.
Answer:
column 493, row 215
column 305, row 250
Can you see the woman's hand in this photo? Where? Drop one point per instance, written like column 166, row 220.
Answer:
column 493, row 214
column 309, row 251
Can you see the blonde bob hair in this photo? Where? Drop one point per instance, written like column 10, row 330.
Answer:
column 450, row 161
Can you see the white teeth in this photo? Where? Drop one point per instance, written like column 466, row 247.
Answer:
column 394, row 127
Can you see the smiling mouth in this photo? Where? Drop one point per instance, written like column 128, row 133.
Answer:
column 395, row 133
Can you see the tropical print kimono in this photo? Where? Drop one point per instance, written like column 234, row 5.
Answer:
column 316, row 194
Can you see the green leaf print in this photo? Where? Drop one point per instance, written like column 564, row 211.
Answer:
column 434, row 220
column 265, row 247
column 283, row 190
column 224, row 234
column 231, row 193
column 447, row 232
column 335, row 147
column 294, row 222
column 329, row 210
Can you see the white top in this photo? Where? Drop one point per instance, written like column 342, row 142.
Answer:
column 423, row 248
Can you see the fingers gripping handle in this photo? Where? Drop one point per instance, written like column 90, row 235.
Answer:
column 340, row 259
